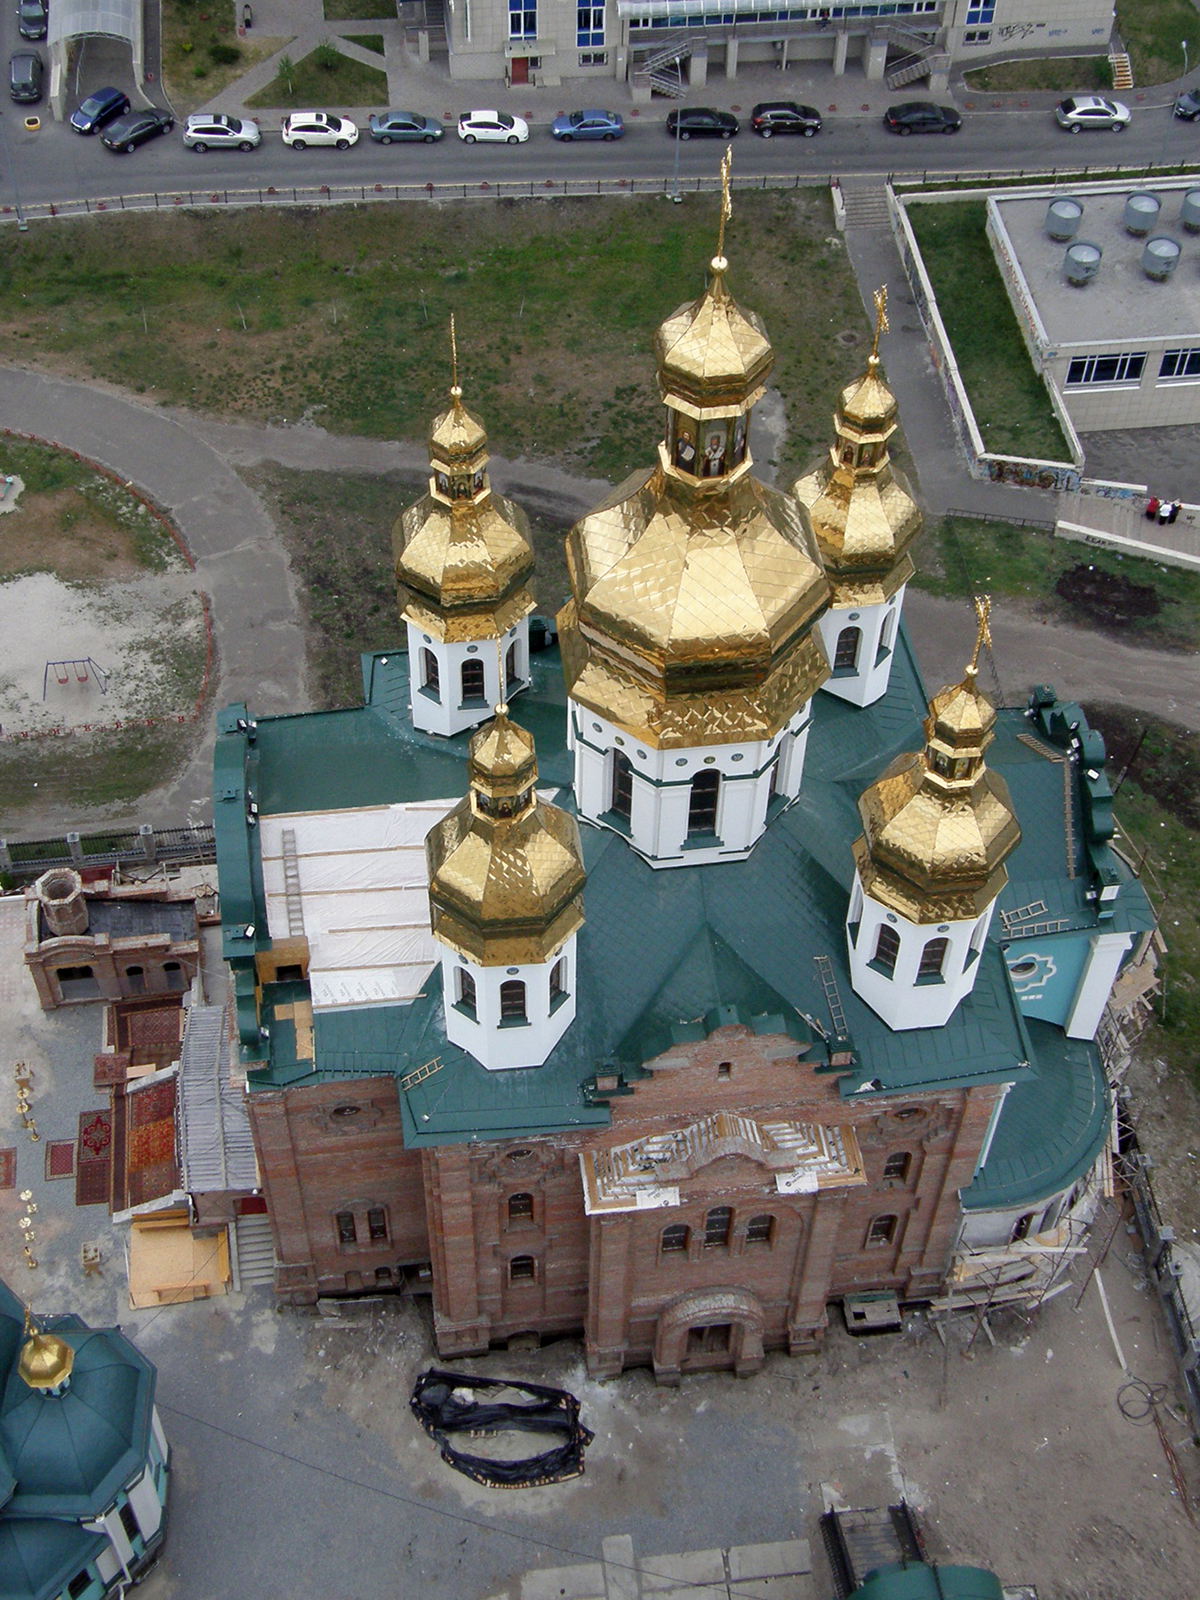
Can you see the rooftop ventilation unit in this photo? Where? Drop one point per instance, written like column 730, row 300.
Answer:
column 1063, row 218
column 1160, row 257
column 1189, row 212
column 1141, row 213
column 1082, row 263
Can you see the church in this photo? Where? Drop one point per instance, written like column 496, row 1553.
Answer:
column 675, row 972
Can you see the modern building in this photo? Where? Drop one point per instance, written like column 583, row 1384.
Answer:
column 695, row 1000
column 681, row 41
column 1105, row 284
column 84, row 1463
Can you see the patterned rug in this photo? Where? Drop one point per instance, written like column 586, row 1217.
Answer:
column 8, row 1169
column 60, row 1159
column 110, row 1069
column 94, row 1169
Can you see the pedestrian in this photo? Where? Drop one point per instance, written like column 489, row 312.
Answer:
column 1151, row 508
column 1176, row 508
column 1164, row 511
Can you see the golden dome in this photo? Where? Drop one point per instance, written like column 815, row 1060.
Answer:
column 863, row 512
column 938, row 825
column 505, row 868
column 45, row 1361
column 455, row 434
column 713, row 358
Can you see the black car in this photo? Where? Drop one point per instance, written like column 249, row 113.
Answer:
column 919, row 116
column 785, row 116
column 99, row 108
column 25, row 73
column 698, row 122
column 31, row 19
column 133, row 129
column 1187, row 105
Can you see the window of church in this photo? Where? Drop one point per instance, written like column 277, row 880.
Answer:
column 887, row 949
column 622, row 785
column 377, row 1227
column 466, row 993
column 346, row 1231
column 512, row 1002
column 933, row 958
column 522, row 1269
column 702, row 807
column 173, row 973
column 724, row 1069
column 896, row 1167
column 760, row 1230
column 558, row 983
column 1022, row 1228
column 717, row 1225
column 520, row 1208
column 135, row 977
column 845, row 655
column 674, row 1238
column 473, row 690
column 511, row 680
column 430, row 676
column 882, row 1231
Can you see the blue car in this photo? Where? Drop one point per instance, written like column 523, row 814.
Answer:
column 606, row 125
column 99, row 108
column 403, row 127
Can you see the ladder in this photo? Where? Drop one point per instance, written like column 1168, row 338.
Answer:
column 291, row 884
column 840, row 1053
column 418, row 1075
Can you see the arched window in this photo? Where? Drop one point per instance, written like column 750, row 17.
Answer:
column 510, row 668
column 882, row 1231
column 522, row 1269
column 933, row 957
column 887, row 948
column 377, row 1226
column 717, row 1224
column 135, row 977
column 466, row 993
column 622, row 785
column 520, row 1208
column 173, row 973
column 346, row 1231
column 760, row 1230
column 512, row 1001
column 558, row 983
column 702, row 806
column 472, row 682
column 674, row 1238
column 1022, row 1228
column 896, row 1167
column 845, row 655
column 431, row 680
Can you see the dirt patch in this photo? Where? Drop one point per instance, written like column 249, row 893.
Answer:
column 63, row 532
column 1160, row 758
column 1107, row 599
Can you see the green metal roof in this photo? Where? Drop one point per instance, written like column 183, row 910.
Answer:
column 40, row 1556
column 917, row 1581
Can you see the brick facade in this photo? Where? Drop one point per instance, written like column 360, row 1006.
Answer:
column 512, row 1250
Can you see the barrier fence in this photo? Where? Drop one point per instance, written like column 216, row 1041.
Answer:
column 25, row 860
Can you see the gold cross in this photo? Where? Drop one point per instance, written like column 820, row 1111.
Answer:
column 881, row 321
column 726, row 202
column 983, row 635
column 454, row 389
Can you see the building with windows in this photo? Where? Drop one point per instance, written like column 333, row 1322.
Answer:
column 904, row 41
column 83, row 1459
column 695, row 1000
column 1122, row 347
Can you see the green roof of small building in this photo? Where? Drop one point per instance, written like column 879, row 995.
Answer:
column 915, row 1580
column 39, row 1556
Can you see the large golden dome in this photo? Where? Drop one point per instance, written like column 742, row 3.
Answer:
column 505, row 868
column 938, row 825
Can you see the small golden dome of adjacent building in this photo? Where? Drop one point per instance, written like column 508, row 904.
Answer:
column 462, row 554
column 45, row 1360
column 938, row 825
column 506, row 870
column 863, row 512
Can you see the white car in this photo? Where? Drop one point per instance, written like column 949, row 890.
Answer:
column 206, row 131
column 303, row 128
column 1091, row 111
column 492, row 127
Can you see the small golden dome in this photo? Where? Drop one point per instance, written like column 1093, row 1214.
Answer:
column 713, row 358
column 961, row 718
column 455, row 435
column 505, row 868
column 867, row 404
column 45, row 1361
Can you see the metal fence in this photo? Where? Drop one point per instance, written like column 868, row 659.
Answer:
column 24, row 860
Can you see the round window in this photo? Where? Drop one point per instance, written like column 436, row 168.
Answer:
column 344, row 1113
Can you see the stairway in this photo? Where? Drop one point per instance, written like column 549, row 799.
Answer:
column 654, row 70
column 435, row 19
column 920, row 64
column 866, row 207
column 255, row 1251
column 1122, row 70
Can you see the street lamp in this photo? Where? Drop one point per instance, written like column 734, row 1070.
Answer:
column 22, row 225
column 1183, row 42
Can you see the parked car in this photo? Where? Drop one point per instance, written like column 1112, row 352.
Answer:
column 205, row 131
column 921, row 116
column 1091, row 111
column 100, row 107
column 785, row 116
column 32, row 19
column 26, row 69
column 606, row 125
column 404, row 127
column 1187, row 105
column 303, row 128
column 700, row 122
column 492, row 127
column 134, row 128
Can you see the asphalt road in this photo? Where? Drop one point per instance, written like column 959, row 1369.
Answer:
column 56, row 164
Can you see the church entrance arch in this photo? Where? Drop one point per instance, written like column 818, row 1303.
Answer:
column 707, row 1330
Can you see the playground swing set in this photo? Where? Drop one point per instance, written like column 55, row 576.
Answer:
column 81, row 670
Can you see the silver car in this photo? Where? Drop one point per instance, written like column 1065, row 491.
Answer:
column 206, row 131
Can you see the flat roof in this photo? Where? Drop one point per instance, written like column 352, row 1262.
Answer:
column 1121, row 304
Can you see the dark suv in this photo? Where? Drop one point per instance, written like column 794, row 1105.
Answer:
column 699, row 122
column 99, row 108
column 25, row 73
column 785, row 116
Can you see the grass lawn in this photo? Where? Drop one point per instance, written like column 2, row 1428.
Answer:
column 1011, row 405
column 366, row 41
column 360, row 10
column 324, row 79
column 1138, row 601
column 100, row 770
column 201, row 52
column 1152, row 30
column 1054, row 73
column 346, row 313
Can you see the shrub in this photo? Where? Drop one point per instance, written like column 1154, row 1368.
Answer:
column 327, row 56
column 224, row 55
